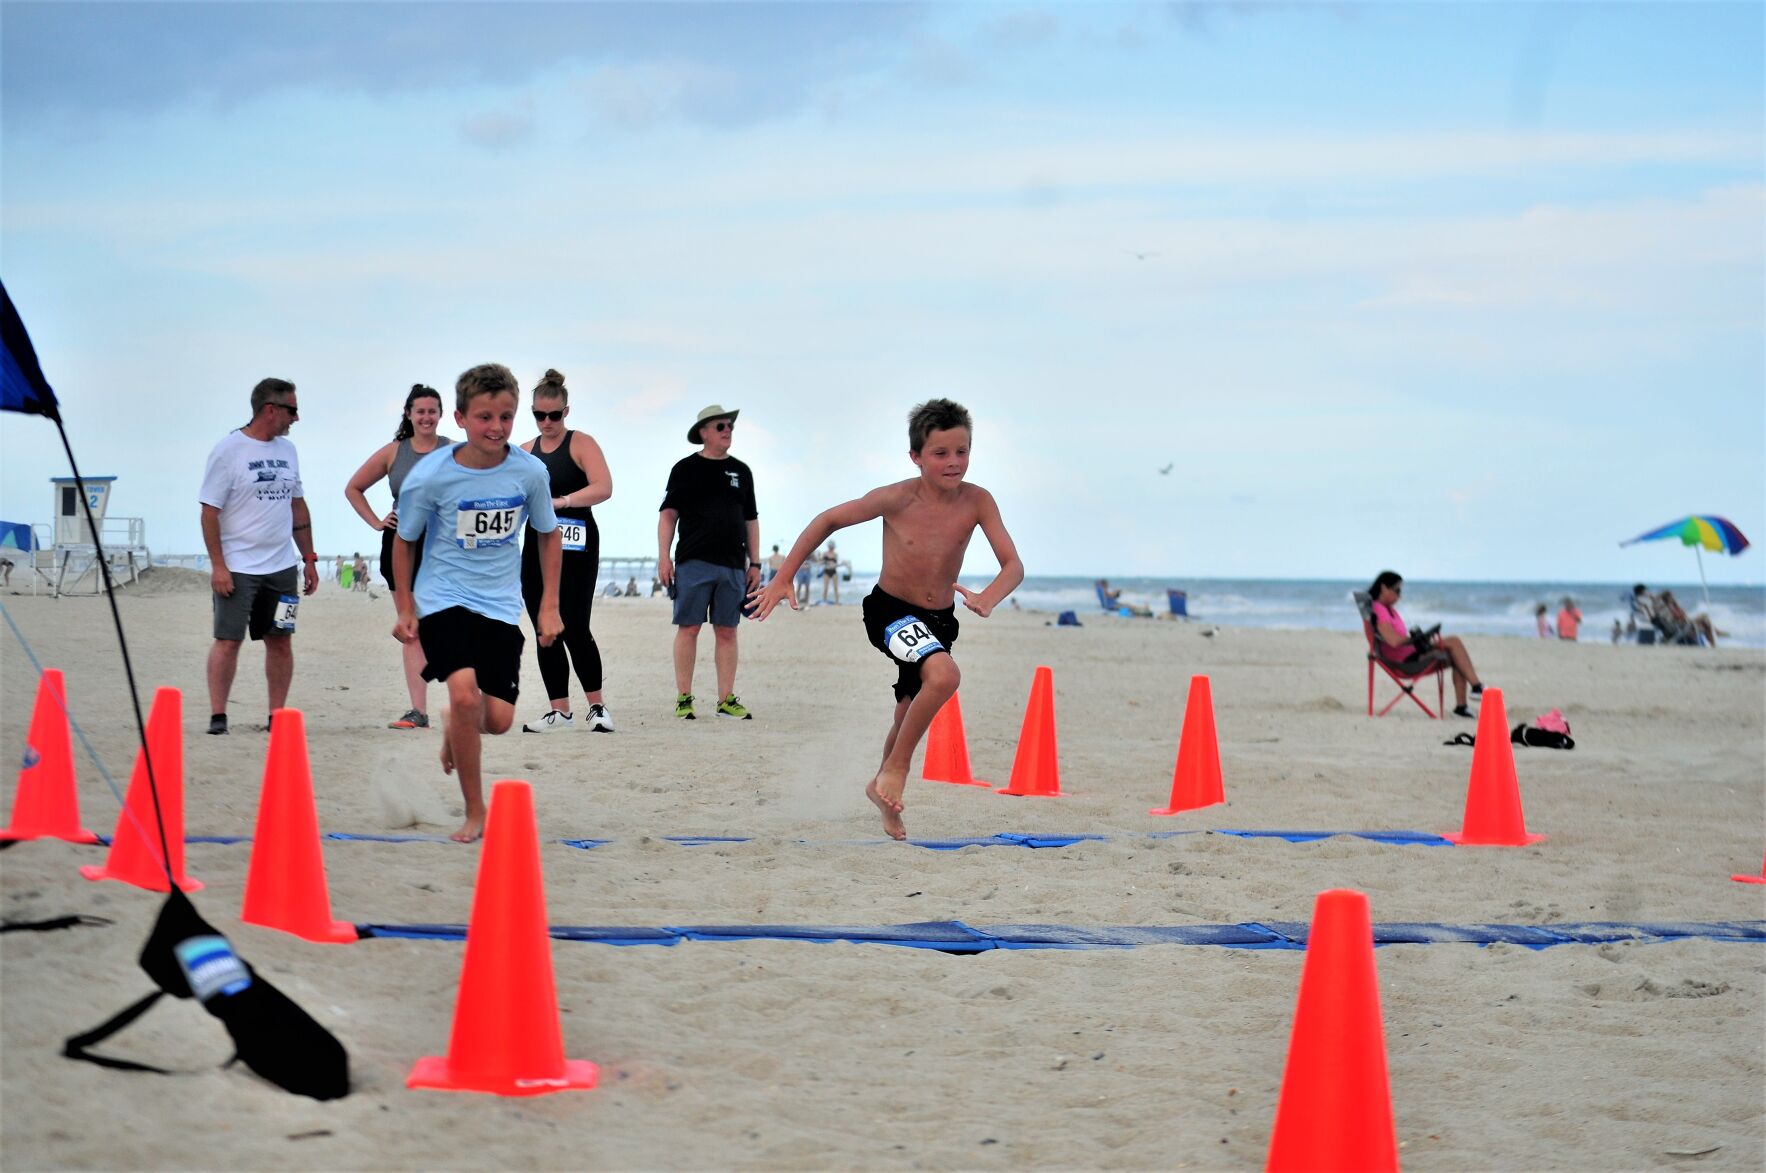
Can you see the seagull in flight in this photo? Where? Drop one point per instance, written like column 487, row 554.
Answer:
column 1166, row 471
column 1139, row 256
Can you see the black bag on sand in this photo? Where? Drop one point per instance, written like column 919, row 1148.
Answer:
column 186, row 957
column 1522, row 734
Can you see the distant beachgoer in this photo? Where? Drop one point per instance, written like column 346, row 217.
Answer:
column 1402, row 645
column 1541, row 622
column 259, row 537
column 1643, row 613
column 415, row 438
column 631, row 587
column 803, row 584
column 830, row 572
column 1682, row 628
column 359, row 574
column 655, row 586
column 773, row 562
column 6, row 571
column 1569, row 619
column 580, row 481
column 1618, row 631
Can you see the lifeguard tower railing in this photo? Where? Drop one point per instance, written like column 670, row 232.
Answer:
column 72, row 567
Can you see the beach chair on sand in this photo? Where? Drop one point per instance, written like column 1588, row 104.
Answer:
column 1401, row 674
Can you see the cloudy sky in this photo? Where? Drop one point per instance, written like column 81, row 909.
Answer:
column 1474, row 291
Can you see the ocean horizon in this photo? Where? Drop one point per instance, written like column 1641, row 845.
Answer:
column 1492, row 607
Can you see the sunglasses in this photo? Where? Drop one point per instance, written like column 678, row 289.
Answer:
column 291, row 409
column 554, row 416
column 723, row 426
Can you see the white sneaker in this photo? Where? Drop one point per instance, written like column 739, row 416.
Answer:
column 599, row 721
column 552, row 722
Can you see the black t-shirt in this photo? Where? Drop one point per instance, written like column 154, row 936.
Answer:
column 715, row 499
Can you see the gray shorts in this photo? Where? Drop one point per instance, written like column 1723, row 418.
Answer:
column 705, row 588
column 252, row 605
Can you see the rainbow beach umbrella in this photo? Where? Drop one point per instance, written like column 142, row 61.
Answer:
column 1701, row 531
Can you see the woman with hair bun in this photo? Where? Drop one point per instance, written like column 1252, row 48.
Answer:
column 416, row 438
column 580, row 481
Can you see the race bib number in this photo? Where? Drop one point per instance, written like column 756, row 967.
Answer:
column 211, row 967
column 909, row 641
column 574, row 533
column 283, row 618
column 487, row 521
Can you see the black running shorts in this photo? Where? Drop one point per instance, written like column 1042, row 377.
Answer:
column 907, row 634
column 457, row 638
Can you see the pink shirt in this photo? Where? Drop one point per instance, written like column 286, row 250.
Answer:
column 1389, row 615
column 1568, row 620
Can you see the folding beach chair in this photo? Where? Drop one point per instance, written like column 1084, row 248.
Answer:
column 1403, row 675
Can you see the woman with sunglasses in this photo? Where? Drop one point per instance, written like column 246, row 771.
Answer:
column 1401, row 647
column 416, row 438
column 580, row 481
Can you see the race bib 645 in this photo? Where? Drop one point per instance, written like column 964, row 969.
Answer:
column 488, row 521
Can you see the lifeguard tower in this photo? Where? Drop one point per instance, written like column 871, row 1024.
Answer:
column 71, row 556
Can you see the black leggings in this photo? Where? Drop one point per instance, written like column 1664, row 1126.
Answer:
column 576, row 597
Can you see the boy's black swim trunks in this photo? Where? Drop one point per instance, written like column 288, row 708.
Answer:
column 907, row 633
column 457, row 638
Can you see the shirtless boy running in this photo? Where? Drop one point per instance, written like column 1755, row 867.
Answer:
column 911, row 614
column 469, row 503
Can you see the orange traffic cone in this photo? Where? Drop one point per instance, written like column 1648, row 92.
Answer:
column 507, row 1039
column 1196, row 782
column 947, row 748
column 47, row 806
column 285, row 887
column 1036, row 772
column 1493, row 815
column 1759, row 879
column 1335, row 1110
column 135, row 848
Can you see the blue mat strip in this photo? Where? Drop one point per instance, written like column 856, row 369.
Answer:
column 956, row 937
column 1003, row 839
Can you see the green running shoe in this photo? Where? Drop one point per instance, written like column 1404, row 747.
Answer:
column 684, row 706
column 731, row 707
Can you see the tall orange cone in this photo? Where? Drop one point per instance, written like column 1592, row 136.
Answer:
column 1036, row 771
column 135, row 848
column 947, row 748
column 285, row 887
column 47, row 806
column 1196, row 782
column 1335, row 1111
column 1493, row 799
column 1759, row 879
column 507, row 1039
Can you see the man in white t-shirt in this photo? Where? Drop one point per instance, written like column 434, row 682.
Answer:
column 257, row 529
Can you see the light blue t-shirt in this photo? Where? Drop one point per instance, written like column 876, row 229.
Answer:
column 471, row 521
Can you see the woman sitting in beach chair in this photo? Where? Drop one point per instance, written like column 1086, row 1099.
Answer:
column 1400, row 648
column 1679, row 627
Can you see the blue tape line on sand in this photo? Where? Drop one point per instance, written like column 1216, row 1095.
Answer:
column 1003, row 839
column 956, row 937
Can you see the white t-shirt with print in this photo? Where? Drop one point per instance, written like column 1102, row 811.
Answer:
column 254, row 483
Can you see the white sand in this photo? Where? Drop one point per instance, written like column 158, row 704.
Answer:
column 789, row 1055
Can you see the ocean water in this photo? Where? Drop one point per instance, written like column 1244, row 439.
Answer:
column 1476, row 608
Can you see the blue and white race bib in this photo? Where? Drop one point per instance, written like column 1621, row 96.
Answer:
column 909, row 640
column 488, row 521
column 286, row 607
column 574, row 533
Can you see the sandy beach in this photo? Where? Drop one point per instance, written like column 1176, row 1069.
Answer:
column 766, row 1054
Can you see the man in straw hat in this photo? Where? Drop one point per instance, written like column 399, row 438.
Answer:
column 717, row 562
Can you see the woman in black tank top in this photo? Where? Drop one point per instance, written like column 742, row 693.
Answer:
column 580, row 481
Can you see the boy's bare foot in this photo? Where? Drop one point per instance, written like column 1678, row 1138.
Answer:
column 885, row 790
column 892, row 824
column 472, row 830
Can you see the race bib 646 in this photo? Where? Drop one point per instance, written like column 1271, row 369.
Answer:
column 488, row 521
column 574, row 533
